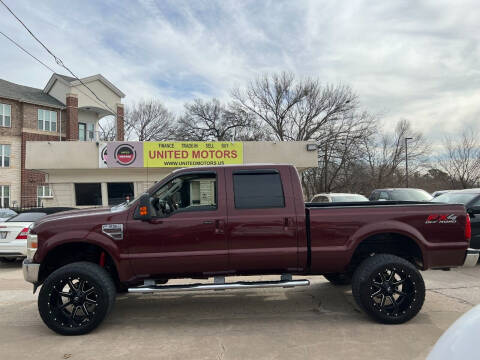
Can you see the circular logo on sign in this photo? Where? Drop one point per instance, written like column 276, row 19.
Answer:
column 104, row 155
column 125, row 154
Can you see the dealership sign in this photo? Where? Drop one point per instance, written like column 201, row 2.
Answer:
column 169, row 154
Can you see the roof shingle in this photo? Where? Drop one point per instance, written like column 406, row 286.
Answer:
column 27, row 94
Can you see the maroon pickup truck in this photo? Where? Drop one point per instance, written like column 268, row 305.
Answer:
column 239, row 220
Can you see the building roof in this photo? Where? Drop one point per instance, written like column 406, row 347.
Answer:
column 71, row 81
column 66, row 78
column 27, row 94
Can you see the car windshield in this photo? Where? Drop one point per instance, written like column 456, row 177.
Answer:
column 455, row 198
column 27, row 217
column 411, row 195
column 348, row 198
column 6, row 213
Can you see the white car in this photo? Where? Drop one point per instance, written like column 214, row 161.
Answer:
column 13, row 235
column 6, row 213
column 337, row 197
column 459, row 342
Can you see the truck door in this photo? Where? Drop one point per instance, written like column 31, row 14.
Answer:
column 261, row 227
column 187, row 234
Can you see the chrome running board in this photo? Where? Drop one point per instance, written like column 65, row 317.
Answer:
column 219, row 286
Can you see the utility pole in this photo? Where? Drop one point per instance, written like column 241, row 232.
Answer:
column 325, row 168
column 406, row 160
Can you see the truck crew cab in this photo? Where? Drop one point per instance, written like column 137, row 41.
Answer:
column 239, row 220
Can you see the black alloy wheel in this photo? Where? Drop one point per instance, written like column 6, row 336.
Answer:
column 390, row 289
column 73, row 301
column 76, row 298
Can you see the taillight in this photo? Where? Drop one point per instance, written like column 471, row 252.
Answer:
column 23, row 234
column 468, row 228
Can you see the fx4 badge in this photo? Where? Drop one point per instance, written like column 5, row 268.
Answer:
column 441, row 219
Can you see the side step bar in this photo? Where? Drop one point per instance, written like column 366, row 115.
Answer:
column 220, row 286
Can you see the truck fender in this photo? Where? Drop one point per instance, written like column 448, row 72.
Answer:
column 386, row 227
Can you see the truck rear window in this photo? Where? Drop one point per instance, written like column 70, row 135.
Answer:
column 258, row 191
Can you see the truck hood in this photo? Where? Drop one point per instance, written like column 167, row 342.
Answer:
column 72, row 214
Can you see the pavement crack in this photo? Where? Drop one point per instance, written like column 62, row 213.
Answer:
column 455, row 288
column 463, row 301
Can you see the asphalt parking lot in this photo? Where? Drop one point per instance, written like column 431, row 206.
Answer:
column 320, row 321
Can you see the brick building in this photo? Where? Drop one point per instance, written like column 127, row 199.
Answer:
column 65, row 110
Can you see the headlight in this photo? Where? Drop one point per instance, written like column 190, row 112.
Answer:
column 32, row 244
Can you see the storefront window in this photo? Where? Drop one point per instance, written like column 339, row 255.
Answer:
column 88, row 194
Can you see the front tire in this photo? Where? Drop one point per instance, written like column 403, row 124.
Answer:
column 388, row 288
column 75, row 298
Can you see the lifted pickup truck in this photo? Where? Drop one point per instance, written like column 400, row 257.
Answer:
column 239, row 220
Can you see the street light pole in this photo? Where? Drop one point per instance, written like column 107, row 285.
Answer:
column 406, row 160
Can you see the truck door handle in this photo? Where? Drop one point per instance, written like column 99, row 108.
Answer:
column 219, row 226
column 286, row 223
column 208, row 222
column 156, row 221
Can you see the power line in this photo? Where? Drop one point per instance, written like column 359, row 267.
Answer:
column 57, row 59
column 22, row 48
column 42, row 63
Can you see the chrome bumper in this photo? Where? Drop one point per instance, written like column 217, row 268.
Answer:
column 30, row 271
column 471, row 257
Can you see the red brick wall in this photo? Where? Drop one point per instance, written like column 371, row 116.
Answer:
column 30, row 116
column 32, row 178
column 120, row 124
column 16, row 116
column 72, row 118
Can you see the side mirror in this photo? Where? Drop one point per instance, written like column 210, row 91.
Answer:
column 144, row 210
column 474, row 210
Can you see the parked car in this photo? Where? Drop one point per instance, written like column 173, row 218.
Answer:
column 337, row 197
column 440, row 192
column 471, row 199
column 400, row 194
column 459, row 342
column 6, row 214
column 14, row 231
column 238, row 220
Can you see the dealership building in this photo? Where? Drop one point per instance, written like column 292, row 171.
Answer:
column 51, row 153
column 81, row 173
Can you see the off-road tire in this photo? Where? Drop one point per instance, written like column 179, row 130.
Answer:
column 405, row 290
column 339, row 278
column 57, row 291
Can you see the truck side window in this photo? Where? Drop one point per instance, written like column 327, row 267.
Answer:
column 186, row 193
column 258, row 191
column 321, row 199
column 383, row 195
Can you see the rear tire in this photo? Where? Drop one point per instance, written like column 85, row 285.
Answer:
column 76, row 298
column 388, row 288
column 339, row 278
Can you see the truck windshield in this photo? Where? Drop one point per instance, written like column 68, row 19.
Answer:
column 348, row 198
column 411, row 195
column 455, row 198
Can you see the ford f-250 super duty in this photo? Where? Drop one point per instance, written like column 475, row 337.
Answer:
column 239, row 220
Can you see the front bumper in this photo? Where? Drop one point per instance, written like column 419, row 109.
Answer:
column 471, row 257
column 30, row 271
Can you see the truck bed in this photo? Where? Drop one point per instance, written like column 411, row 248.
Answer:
column 334, row 231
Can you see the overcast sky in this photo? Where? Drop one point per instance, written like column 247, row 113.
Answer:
column 418, row 60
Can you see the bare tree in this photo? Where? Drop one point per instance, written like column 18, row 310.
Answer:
column 149, row 120
column 462, row 159
column 340, row 155
column 293, row 109
column 107, row 129
column 385, row 155
column 213, row 121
